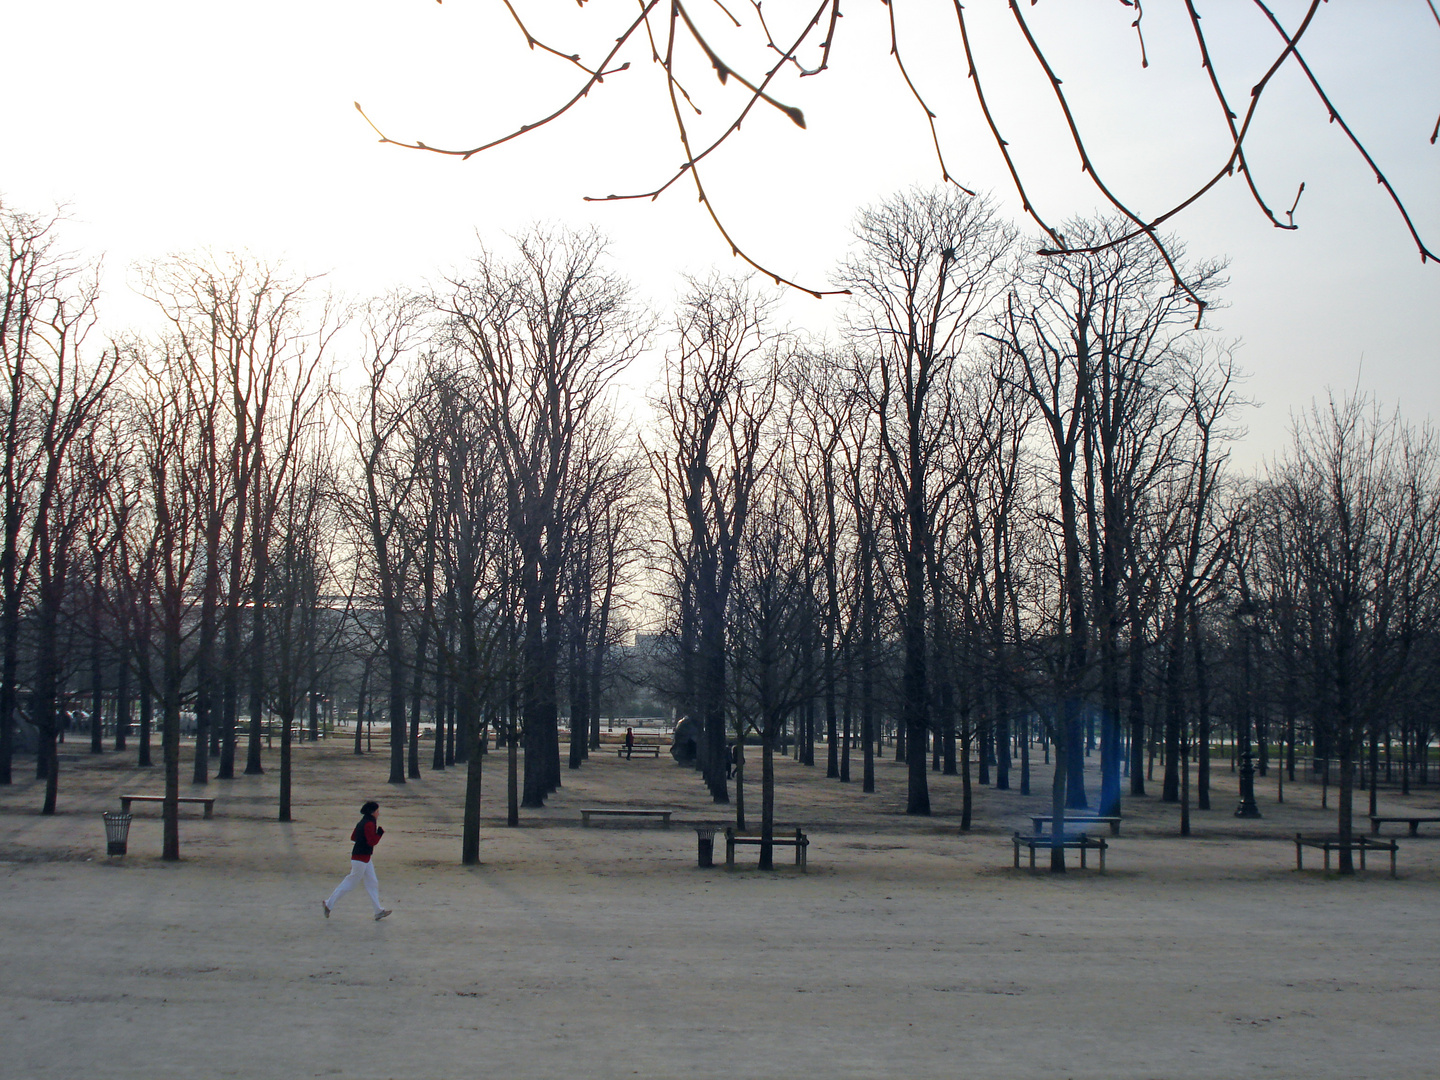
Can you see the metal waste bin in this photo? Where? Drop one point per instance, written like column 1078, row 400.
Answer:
column 706, row 835
column 117, row 832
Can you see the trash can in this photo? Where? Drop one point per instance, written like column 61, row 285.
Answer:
column 706, row 835
column 117, row 832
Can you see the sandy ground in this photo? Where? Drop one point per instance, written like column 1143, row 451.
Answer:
column 907, row 950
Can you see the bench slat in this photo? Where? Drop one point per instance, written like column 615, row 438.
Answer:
column 1083, row 819
column 1071, row 840
column 1360, row 843
column 1414, row 821
column 586, row 813
column 798, row 840
column 207, row 801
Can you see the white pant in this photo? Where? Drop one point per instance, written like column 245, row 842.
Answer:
column 360, row 872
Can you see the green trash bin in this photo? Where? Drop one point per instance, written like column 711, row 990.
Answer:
column 117, row 832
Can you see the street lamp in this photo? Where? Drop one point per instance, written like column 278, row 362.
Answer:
column 1245, row 616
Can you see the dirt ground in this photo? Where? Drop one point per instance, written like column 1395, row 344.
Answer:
column 907, row 950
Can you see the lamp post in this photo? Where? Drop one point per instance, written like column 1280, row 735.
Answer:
column 1245, row 616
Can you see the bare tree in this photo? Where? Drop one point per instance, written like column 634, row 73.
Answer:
column 721, row 385
column 929, row 264
column 545, row 334
column 378, row 502
column 168, row 547
column 771, row 605
column 763, row 57
column 1360, row 498
column 46, row 311
column 301, row 629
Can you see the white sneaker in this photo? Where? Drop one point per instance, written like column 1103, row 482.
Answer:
column 326, row 906
column 381, row 914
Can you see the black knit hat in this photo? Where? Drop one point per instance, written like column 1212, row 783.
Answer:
column 370, row 807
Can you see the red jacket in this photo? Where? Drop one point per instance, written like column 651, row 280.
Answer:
column 366, row 835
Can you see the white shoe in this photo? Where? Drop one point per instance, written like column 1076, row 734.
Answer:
column 381, row 914
column 326, row 906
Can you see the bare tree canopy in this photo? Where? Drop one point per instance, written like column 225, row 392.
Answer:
column 766, row 60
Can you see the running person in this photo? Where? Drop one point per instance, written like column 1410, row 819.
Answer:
column 366, row 835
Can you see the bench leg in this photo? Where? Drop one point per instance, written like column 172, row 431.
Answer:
column 209, row 809
column 1082, row 855
column 1017, row 854
column 1032, row 856
column 1102, row 860
column 1114, row 828
column 1393, row 852
column 124, row 806
column 729, row 854
column 1299, row 859
column 1414, row 828
column 1362, row 856
column 1374, row 828
column 1327, row 858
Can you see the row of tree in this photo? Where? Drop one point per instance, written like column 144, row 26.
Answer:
column 1002, row 493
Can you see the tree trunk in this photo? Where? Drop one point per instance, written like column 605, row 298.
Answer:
column 474, row 777
column 97, row 687
column 417, row 687
column 1057, row 789
column 395, row 657
column 1025, row 759
column 740, row 782
column 967, row 799
column 287, row 725
column 512, row 747
column 767, row 800
column 147, row 721
column 1346, row 803
column 170, row 744
column 253, row 762
column 122, row 701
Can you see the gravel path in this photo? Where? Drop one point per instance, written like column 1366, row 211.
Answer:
column 906, row 951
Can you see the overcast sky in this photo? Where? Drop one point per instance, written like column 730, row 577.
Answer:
column 171, row 126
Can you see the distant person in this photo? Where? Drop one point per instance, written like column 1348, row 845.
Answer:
column 629, row 742
column 365, row 835
column 733, row 764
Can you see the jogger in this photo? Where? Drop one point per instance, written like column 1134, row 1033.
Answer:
column 366, row 835
column 361, row 873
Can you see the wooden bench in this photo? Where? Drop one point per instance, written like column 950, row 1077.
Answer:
column 639, row 748
column 1413, row 822
column 733, row 839
column 624, row 815
column 1040, row 820
column 1044, row 841
column 207, row 802
column 1361, row 844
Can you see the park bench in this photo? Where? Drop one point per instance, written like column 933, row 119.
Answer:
column 1045, row 842
column 1361, row 844
column 1413, row 822
column 734, row 839
column 624, row 815
column 1040, row 820
column 639, row 748
column 207, row 802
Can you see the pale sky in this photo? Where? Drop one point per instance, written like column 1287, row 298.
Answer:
column 171, row 126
